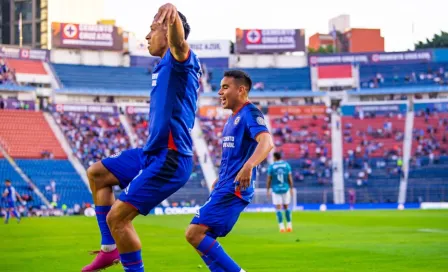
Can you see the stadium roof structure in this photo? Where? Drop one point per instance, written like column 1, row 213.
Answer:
column 16, row 88
column 104, row 92
column 402, row 90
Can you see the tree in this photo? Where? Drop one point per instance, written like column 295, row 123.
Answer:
column 326, row 49
column 438, row 41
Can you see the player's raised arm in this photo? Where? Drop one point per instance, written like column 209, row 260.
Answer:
column 265, row 145
column 168, row 15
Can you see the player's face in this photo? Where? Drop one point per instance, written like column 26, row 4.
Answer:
column 8, row 184
column 157, row 40
column 229, row 93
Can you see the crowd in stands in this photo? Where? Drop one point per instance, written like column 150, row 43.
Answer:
column 7, row 75
column 430, row 77
column 430, row 134
column 93, row 136
column 212, row 130
column 377, row 145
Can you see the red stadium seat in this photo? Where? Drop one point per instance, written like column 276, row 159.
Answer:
column 26, row 134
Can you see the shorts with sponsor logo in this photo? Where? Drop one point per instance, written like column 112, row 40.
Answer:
column 148, row 179
column 220, row 213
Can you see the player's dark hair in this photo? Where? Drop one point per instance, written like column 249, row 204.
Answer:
column 185, row 24
column 240, row 76
column 277, row 156
column 7, row 180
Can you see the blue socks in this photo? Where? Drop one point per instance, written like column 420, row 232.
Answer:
column 8, row 215
column 288, row 215
column 212, row 264
column 132, row 262
column 211, row 248
column 101, row 214
column 279, row 216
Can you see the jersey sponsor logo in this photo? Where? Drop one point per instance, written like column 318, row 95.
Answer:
column 154, row 79
column 237, row 120
column 261, row 121
column 116, row 155
column 228, row 141
column 198, row 214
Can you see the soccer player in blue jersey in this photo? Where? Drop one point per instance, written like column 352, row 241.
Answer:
column 150, row 174
column 11, row 196
column 280, row 179
column 246, row 142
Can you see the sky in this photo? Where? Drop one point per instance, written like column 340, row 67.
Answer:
column 402, row 22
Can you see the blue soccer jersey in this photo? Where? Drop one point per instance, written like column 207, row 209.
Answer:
column 173, row 104
column 238, row 145
column 279, row 172
column 11, row 197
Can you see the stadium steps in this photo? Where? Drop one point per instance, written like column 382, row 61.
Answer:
column 26, row 134
column 15, row 173
column 70, row 188
column 76, row 163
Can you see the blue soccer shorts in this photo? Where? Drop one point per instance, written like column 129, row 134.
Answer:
column 148, row 179
column 11, row 204
column 220, row 213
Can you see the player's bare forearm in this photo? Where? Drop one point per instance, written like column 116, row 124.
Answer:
column 176, row 39
column 291, row 183
column 264, row 146
column 268, row 183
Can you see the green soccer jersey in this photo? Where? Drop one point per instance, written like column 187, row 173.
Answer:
column 279, row 172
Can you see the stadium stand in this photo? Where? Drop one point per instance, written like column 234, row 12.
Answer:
column 93, row 136
column 26, row 66
column 69, row 189
column 103, row 77
column 270, row 79
column 25, row 191
column 429, row 160
column 372, row 146
column 26, row 134
column 419, row 74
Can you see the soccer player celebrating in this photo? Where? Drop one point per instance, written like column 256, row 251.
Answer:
column 246, row 142
column 11, row 196
column 282, row 192
column 150, row 174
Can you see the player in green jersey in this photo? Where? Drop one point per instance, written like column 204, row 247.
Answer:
column 280, row 179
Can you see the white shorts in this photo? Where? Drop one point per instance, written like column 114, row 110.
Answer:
column 281, row 199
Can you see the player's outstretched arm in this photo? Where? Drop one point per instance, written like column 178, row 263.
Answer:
column 169, row 16
column 291, row 183
column 265, row 145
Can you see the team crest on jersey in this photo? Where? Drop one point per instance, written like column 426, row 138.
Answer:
column 237, row 120
column 261, row 121
column 116, row 155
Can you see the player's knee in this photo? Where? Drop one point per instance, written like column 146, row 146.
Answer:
column 96, row 173
column 114, row 221
column 193, row 235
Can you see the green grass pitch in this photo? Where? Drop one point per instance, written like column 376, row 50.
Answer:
column 411, row 240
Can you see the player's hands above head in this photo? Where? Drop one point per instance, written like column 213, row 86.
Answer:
column 166, row 13
column 244, row 176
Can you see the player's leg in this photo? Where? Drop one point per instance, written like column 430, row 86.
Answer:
column 277, row 201
column 120, row 223
column 196, row 234
column 119, row 169
column 8, row 215
column 165, row 173
column 16, row 214
column 286, row 201
column 215, row 219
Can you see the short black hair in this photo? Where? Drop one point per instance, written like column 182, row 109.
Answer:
column 277, row 155
column 185, row 24
column 240, row 76
column 7, row 180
